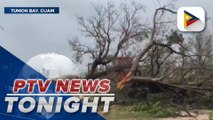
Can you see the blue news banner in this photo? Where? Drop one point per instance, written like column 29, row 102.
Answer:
column 31, row 10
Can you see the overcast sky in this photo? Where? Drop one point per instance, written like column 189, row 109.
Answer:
column 29, row 35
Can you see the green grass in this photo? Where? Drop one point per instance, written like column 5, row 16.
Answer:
column 156, row 110
column 123, row 112
column 211, row 116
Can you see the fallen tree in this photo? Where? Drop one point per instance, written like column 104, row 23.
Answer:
column 165, row 85
column 162, row 83
column 151, row 43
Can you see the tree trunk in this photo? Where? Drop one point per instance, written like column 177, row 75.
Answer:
column 135, row 64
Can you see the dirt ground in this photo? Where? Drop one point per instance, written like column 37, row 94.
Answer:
column 201, row 115
column 121, row 112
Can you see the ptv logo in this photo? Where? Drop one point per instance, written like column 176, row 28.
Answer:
column 191, row 19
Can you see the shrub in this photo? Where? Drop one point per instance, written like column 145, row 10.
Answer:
column 156, row 110
column 211, row 116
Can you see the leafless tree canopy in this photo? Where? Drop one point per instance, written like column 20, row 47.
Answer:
column 111, row 30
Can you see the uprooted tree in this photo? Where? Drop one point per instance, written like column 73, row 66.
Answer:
column 166, row 59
